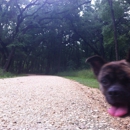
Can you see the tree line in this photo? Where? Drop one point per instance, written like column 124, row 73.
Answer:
column 49, row 36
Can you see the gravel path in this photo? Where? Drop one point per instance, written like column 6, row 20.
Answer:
column 54, row 103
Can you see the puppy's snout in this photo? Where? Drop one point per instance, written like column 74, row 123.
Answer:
column 114, row 92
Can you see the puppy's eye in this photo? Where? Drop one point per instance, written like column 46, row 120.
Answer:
column 105, row 81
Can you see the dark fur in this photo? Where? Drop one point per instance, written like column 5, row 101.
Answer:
column 114, row 79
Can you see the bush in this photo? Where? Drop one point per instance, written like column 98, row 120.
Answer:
column 5, row 74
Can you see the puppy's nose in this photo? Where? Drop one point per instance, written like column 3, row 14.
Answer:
column 115, row 92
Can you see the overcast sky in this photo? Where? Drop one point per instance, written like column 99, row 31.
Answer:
column 93, row 1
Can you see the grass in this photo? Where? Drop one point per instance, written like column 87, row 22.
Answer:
column 85, row 77
column 5, row 74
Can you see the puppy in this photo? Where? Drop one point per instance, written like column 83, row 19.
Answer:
column 114, row 82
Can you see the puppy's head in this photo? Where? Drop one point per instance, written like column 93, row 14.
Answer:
column 114, row 81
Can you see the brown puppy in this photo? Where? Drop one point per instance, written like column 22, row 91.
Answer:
column 114, row 80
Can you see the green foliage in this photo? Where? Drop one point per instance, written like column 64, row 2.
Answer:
column 5, row 74
column 47, row 37
column 121, row 14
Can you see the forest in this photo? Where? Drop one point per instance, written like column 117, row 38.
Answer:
column 51, row 36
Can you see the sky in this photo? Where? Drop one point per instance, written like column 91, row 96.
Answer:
column 93, row 1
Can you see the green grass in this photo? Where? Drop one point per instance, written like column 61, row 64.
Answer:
column 5, row 74
column 85, row 77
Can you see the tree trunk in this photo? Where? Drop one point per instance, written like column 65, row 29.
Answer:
column 48, row 67
column 102, row 47
column 8, row 62
column 114, row 28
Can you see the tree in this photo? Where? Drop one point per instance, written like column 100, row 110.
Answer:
column 114, row 28
column 120, row 9
column 48, row 36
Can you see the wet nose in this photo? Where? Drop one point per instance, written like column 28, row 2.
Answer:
column 115, row 92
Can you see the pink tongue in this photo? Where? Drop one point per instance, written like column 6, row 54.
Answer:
column 118, row 111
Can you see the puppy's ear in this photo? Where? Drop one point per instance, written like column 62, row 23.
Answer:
column 128, row 56
column 96, row 63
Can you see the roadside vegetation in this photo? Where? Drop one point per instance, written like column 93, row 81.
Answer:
column 84, row 77
column 5, row 74
column 51, row 36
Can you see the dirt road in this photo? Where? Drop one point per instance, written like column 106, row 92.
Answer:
column 54, row 103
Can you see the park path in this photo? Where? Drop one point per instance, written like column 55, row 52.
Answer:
column 54, row 103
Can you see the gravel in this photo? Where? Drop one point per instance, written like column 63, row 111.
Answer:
column 54, row 103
